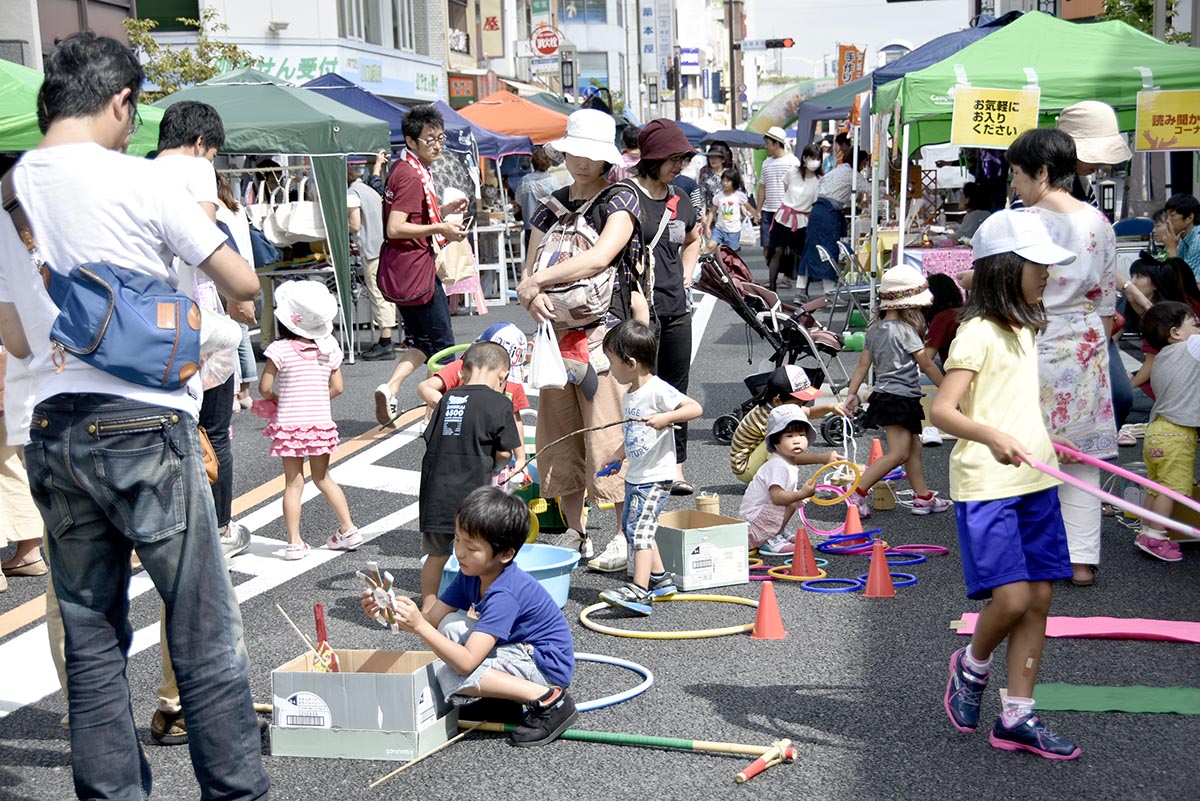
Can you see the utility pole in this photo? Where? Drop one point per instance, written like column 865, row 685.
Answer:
column 678, row 73
column 1160, row 20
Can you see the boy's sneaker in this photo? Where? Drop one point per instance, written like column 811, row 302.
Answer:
column 1166, row 550
column 386, row 406
column 964, row 691
column 664, row 587
column 779, row 545
column 931, row 437
column 543, row 724
column 631, row 597
column 863, row 502
column 575, row 541
column 235, row 540
column 931, row 506
column 1031, row 735
column 613, row 558
column 344, row 540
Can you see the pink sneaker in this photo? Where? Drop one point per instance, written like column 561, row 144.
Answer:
column 1165, row 550
column 295, row 551
column 863, row 502
column 931, row 506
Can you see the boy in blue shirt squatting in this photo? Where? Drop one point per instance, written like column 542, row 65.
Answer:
column 517, row 646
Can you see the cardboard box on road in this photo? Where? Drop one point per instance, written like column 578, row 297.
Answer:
column 382, row 705
column 703, row 549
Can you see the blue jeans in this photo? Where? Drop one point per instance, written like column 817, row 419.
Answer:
column 112, row 476
column 1122, row 388
column 248, row 367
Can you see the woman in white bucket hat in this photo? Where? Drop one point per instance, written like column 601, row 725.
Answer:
column 568, row 470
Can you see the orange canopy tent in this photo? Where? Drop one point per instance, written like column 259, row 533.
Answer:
column 505, row 113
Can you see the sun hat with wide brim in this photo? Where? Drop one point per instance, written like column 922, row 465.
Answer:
column 1093, row 126
column 904, row 287
column 778, row 134
column 591, row 134
column 1020, row 232
column 307, row 309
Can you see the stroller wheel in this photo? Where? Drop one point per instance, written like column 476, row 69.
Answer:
column 724, row 428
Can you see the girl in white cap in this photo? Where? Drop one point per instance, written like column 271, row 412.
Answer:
column 1010, row 526
column 895, row 348
column 303, row 373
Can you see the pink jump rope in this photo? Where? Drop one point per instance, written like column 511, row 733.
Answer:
column 1113, row 500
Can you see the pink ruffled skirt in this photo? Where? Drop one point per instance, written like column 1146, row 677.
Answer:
column 316, row 439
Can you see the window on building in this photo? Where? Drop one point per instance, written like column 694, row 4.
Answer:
column 584, row 11
column 593, row 70
column 168, row 12
column 459, row 26
column 404, row 20
column 387, row 23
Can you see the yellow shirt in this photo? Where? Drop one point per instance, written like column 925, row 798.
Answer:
column 1003, row 395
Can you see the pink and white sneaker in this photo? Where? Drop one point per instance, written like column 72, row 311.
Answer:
column 295, row 551
column 1163, row 549
column 930, row 506
column 344, row 541
column 863, row 502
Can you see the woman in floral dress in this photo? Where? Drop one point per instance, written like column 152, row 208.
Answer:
column 1072, row 351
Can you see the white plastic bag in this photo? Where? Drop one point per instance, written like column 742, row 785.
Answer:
column 546, row 368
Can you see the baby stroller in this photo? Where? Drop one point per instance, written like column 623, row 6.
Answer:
column 791, row 332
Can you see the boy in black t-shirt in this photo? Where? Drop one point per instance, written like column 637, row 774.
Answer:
column 471, row 436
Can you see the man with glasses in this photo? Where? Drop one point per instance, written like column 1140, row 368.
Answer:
column 413, row 223
column 116, row 467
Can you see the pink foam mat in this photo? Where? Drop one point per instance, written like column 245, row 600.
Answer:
column 1109, row 628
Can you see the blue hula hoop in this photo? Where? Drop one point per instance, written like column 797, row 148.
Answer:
column 871, row 532
column 624, row 695
column 853, row 549
column 906, row 579
column 903, row 559
column 817, row 585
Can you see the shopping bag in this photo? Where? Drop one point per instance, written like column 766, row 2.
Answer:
column 546, row 368
column 455, row 262
column 301, row 219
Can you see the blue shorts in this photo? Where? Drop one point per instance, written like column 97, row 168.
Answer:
column 1010, row 540
column 731, row 240
column 643, row 504
column 764, row 227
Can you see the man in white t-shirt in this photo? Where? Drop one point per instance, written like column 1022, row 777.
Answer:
column 366, row 229
column 771, row 186
column 116, row 466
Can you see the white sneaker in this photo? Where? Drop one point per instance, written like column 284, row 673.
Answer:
column 930, row 436
column 575, row 541
column 344, row 541
column 235, row 540
column 385, row 406
column 778, row 545
column 293, row 552
column 614, row 557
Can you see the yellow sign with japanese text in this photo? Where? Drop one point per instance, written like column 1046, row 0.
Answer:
column 1168, row 120
column 491, row 16
column 992, row 118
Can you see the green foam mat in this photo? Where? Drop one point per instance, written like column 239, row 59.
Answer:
column 1135, row 699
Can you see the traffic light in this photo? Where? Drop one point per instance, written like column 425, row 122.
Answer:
column 780, row 43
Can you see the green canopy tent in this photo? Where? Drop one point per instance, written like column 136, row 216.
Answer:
column 18, row 113
column 1069, row 62
column 264, row 115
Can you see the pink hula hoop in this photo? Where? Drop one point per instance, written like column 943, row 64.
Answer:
column 820, row 531
column 1113, row 500
column 1116, row 470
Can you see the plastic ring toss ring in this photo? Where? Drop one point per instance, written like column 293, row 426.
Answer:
column 836, row 466
column 833, row 585
column 905, row 579
column 821, row 532
column 755, row 562
column 902, row 559
column 624, row 695
column 783, row 574
column 918, row 547
column 585, row 619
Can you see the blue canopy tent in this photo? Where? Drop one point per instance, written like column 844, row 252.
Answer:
column 348, row 93
column 938, row 49
column 734, row 138
column 832, row 105
column 491, row 144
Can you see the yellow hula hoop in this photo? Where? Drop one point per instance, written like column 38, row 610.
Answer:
column 755, row 562
column 841, row 498
column 782, row 574
column 585, row 619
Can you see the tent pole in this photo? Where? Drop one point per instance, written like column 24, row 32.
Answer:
column 872, row 254
column 856, row 130
column 902, row 214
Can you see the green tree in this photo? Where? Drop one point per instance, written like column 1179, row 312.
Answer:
column 172, row 68
column 1140, row 14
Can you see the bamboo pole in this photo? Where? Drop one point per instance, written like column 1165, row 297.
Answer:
column 643, row 740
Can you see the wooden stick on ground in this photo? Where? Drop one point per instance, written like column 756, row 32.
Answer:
column 408, row 765
column 292, row 623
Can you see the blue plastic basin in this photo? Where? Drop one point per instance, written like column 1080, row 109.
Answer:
column 550, row 565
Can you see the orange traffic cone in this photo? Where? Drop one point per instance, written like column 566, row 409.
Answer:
column 768, row 624
column 853, row 520
column 879, row 577
column 804, row 565
column 876, row 451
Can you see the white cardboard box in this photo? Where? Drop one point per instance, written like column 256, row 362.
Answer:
column 703, row 550
column 382, row 705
